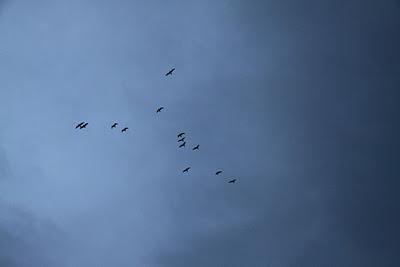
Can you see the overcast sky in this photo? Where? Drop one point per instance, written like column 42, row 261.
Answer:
column 297, row 100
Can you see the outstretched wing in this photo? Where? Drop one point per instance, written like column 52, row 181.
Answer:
column 79, row 125
column 170, row 72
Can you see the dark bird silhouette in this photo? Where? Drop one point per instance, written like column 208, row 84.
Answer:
column 186, row 170
column 170, row 72
column 180, row 135
column 114, row 125
column 182, row 139
column 218, row 172
column 124, row 130
column 183, row 144
column 232, row 181
column 84, row 125
column 79, row 125
column 159, row 109
column 196, row 147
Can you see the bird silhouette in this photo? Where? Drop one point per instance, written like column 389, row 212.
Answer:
column 182, row 139
column 180, row 135
column 124, row 130
column 232, row 181
column 83, row 125
column 218, row 172
column 196, row 147
column 79, row 125
column 159, row 109
column 186, row 170
column 183, row 144
column 170, row 72
column 114, row 125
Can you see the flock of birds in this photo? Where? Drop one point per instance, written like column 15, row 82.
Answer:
column 181, row 136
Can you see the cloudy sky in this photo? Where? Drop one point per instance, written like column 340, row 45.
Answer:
column 298, row 100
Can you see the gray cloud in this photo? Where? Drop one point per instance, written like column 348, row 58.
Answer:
column 333, row 84
column 29, row 241
column 295, row 100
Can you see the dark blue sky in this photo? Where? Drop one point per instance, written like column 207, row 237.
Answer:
column 295, row 99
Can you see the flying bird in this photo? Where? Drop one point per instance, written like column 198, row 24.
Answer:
column 232, row 181
column 186, row 170
column 159, row 109
column 79, row 125
column 114, row 125
column 182, row 139
column 183, row 144
column 180, row 135
column 83, row 125
column 124, row 130
column 170, row 72
column 218, row 172
column 196, row 147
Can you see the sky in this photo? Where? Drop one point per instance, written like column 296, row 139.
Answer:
column 297, row 100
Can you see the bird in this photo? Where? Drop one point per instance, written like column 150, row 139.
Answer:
column 196, row 147
column 183, row 144
column 186, row 170
column 114, row 125
column 180, row 135
column 159, row 109
column 218, row 172
column 170, row 72
column 232, row 181
column 124, row 130
column 182, row 139
column 83, row 125
column 79, row 125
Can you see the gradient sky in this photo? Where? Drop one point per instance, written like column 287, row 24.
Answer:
column 298, row 100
